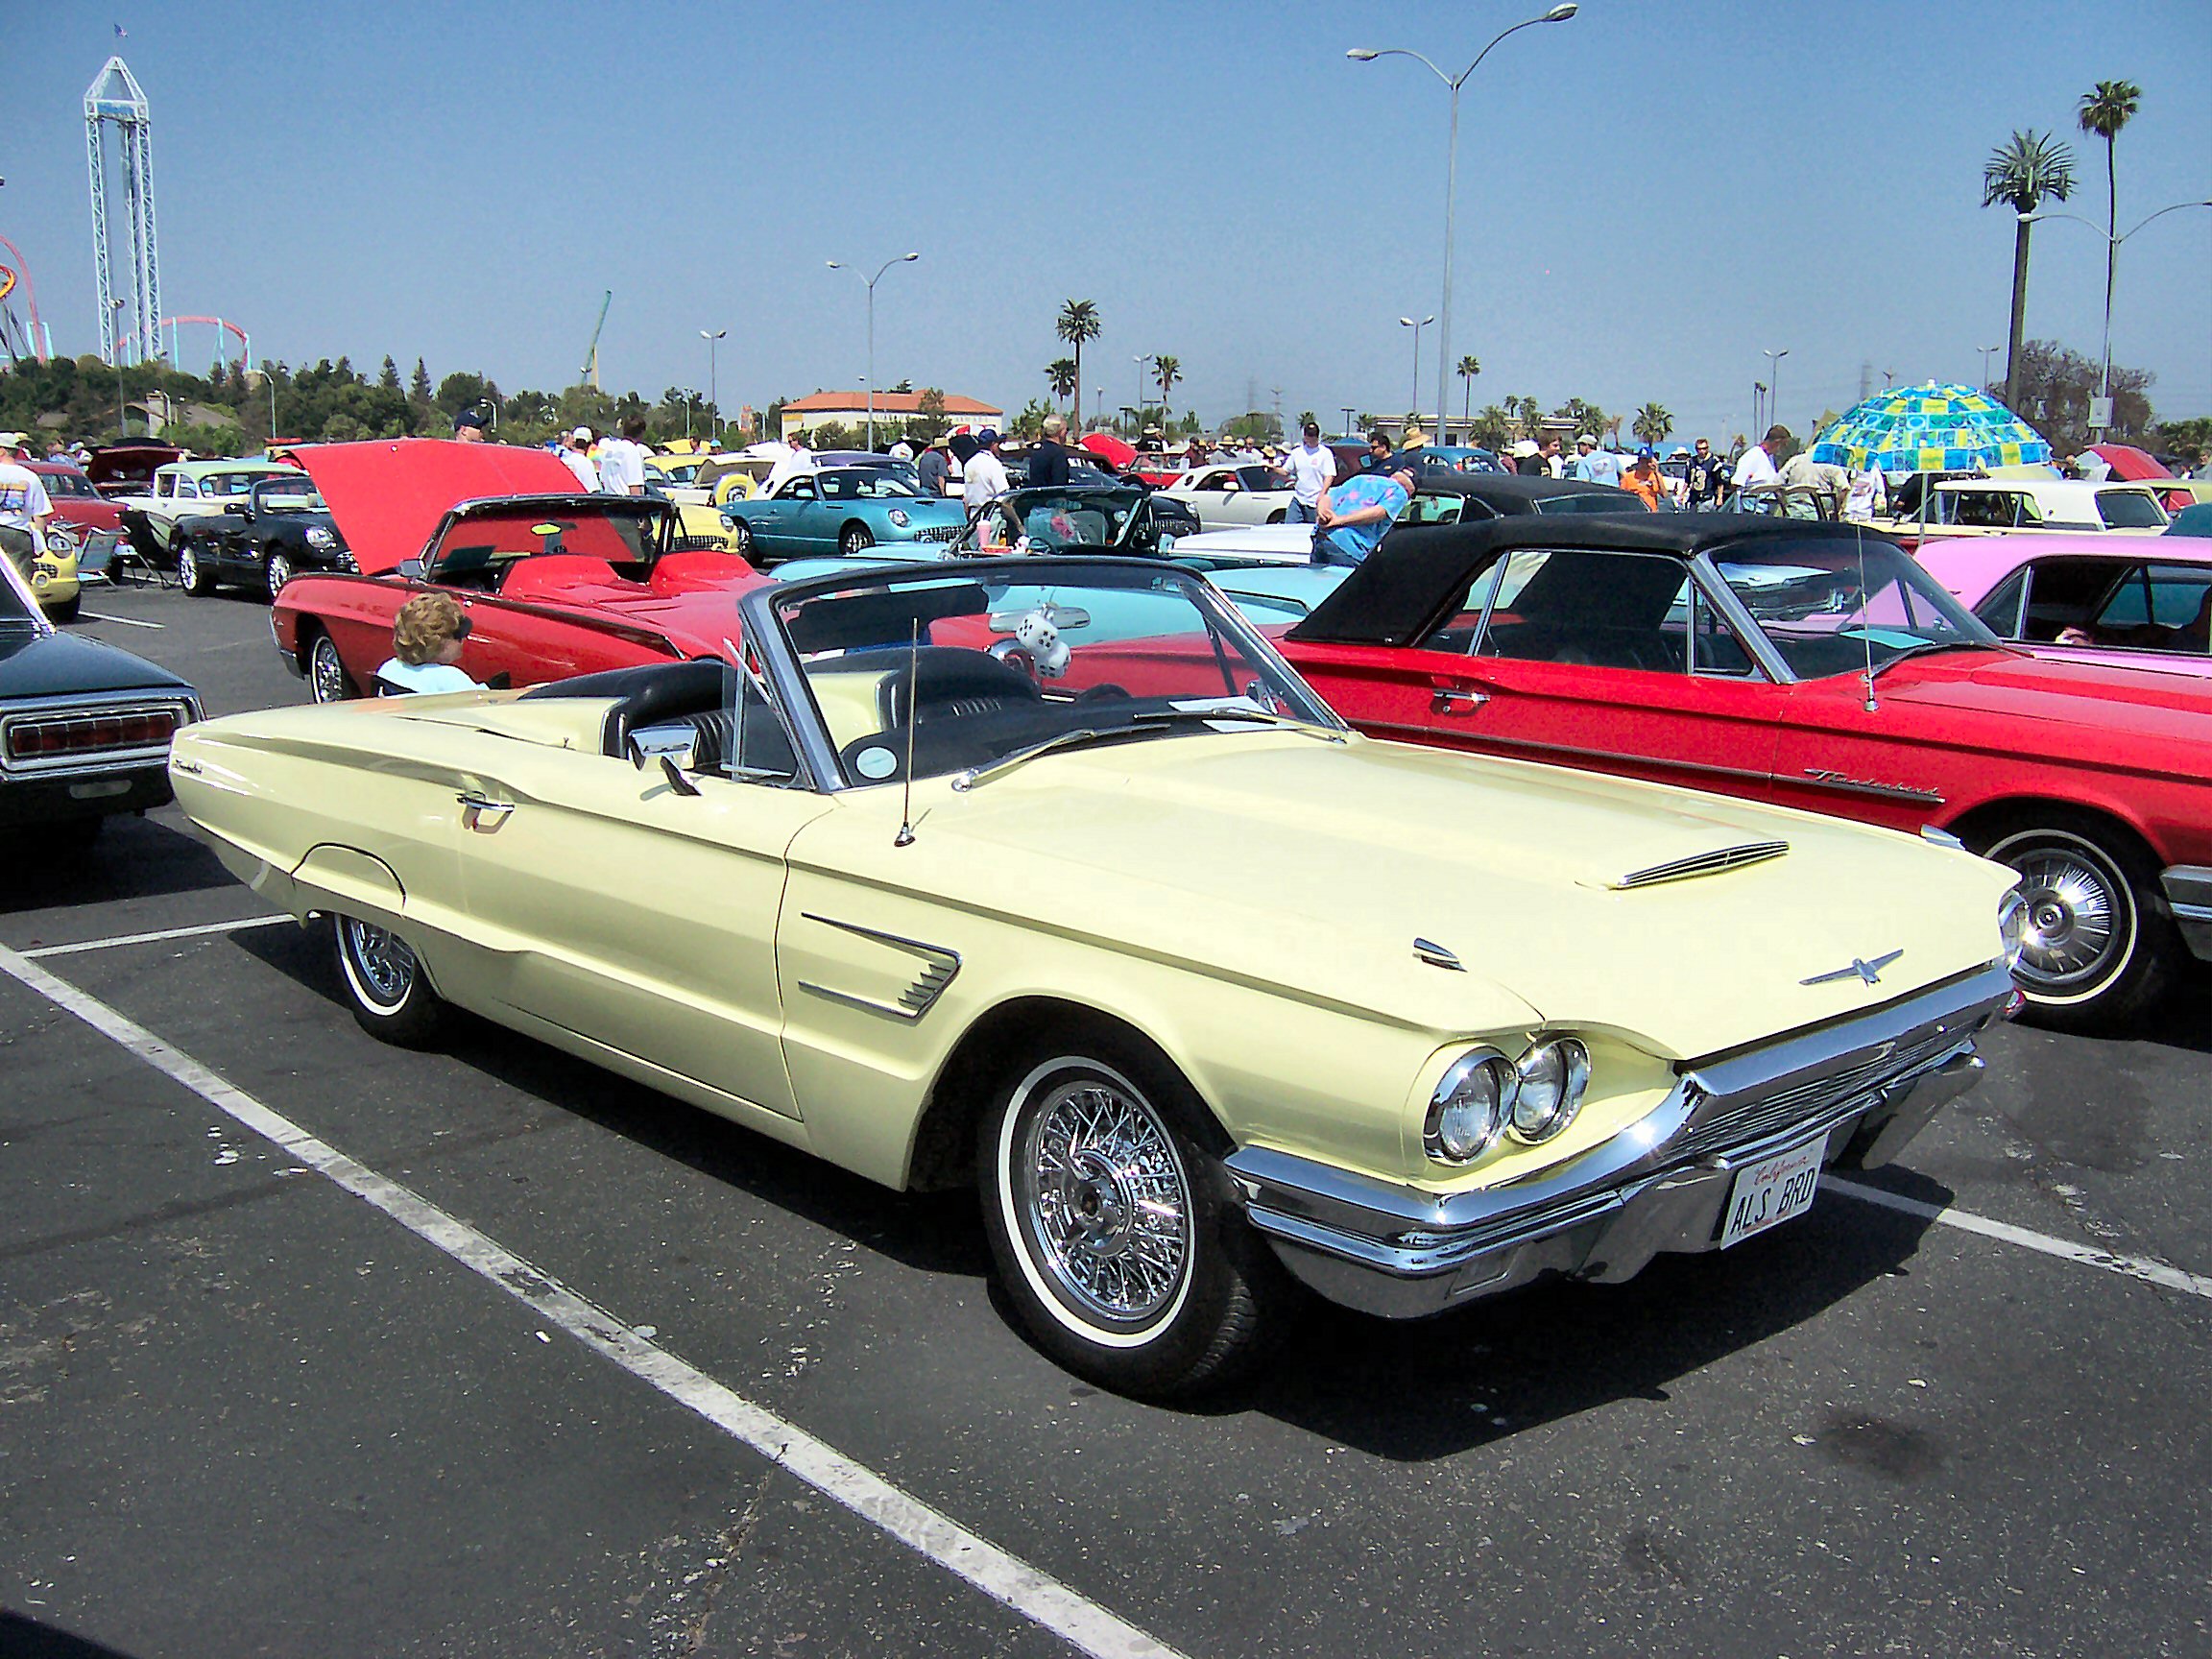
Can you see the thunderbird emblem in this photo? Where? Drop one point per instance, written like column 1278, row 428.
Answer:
column 1871, row 972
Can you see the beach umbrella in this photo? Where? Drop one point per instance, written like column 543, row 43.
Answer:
column 1929, row 428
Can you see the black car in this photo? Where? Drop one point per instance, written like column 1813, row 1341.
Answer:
column 1445, row 497
column 84, row 727
column 262, row 541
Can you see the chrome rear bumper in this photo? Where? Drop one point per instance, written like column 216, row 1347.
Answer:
column 2188, row 895
column 1867, row 1084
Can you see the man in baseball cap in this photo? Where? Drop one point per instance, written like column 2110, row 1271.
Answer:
column 469, row 427
column 985, row 478
column 576, row 453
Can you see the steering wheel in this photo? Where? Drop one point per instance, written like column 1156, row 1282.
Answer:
column 1102, row 692
column 1016, row 655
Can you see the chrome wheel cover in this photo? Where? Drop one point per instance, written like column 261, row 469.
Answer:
column 2080, row 923
column 379, row 963
column 188, row 568
column 326, row 673
column 280, row 572
column 1104, row 1201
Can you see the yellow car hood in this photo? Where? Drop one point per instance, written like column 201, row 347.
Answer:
column 1312, row 867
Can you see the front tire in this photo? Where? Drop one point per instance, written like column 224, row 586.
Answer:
column 741, row 539
column 65, row 610
column 857, row 539
column 277, row 571
column 385, row 985
column 191, row 576
column 1113, row 1227
column 2101, row 941
column 326, row 679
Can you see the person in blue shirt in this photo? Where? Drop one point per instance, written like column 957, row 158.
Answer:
column 1596, row 466
column 1355, row 514
column 427, row 643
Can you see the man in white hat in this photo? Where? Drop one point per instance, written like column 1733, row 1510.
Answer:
column 576, row 455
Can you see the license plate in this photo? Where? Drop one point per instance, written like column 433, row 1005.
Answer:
column 1771, row 1192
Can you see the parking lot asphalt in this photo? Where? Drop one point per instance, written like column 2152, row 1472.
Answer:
column 247, row 1409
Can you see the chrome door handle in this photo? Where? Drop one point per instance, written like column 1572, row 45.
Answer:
column 1457, row 699
column 485, row 812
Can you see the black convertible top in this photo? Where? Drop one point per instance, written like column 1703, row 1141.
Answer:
column 1421, row 573
column 1512, row 492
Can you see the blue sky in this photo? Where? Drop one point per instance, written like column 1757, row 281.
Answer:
column 1649, row 194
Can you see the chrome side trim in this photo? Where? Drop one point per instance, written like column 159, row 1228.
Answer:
column 940, row 968
column 2189, row 895
column 1822, row 777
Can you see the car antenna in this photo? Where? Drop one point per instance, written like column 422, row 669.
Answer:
column 905, row 835
column 1865, row 614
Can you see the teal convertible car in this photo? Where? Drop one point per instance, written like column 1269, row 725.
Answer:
column 839, row 510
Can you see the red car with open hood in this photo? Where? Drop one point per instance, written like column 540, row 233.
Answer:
column 555, row 583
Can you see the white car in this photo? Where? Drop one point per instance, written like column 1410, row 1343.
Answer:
column 190, row 490
column 2008, row 506
column 1228, row 492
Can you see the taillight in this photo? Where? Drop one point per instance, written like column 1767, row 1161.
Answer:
column 89, row 734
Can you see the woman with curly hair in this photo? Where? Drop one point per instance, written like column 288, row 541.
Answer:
column 426, row 639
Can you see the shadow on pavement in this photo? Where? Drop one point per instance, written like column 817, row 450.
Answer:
column 23, row 1637
column 58, row 867
column 1405, row 1391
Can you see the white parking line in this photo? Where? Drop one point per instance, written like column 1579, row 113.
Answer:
column 1001, row 1575
column 127, row 621
column 2088, row 1255
column 120, row 939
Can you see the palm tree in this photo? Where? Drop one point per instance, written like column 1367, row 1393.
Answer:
column 1653, row 421
column 1529, row 412
column 1170, row 371
column 2105, row 109
column 2020, row 173
column 1492, row 428
column 1064, row 375
column 1077, row 322
column 1469, row 367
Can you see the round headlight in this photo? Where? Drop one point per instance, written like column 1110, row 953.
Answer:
column 318, row 536
column 1469, row 1107
column 2012, row 926
column 897, row 516
column 1553, row 1076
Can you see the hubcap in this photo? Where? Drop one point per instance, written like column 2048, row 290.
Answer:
column 1105, row 1201
column 280, row 574
column 329, row 673
column 382, row 959
column 188, row 569
column 2072, row 925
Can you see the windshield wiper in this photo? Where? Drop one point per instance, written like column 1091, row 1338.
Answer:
column 1137, row 726
column 1238, row 712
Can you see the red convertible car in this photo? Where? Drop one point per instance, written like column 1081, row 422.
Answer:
column 554, row 583
column 1814, row 665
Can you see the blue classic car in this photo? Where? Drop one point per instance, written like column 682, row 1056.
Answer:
column 839, row 510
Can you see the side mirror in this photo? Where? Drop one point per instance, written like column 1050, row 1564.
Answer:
column 238, row 507
column 409, row 569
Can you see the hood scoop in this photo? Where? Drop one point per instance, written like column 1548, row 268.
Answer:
column 1705, row 864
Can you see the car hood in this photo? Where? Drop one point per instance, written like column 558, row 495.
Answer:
column 1313, row 868
column 2157, row 716
column 41, row 664
column 388, row 496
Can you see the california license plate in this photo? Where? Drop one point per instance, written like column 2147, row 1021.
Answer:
column 1771, row 1192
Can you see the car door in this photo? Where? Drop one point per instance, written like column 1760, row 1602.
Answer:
column 1612, row 662
column 776, row 523
column 611, row 906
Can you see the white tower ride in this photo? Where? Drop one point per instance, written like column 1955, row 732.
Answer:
column 116, row 96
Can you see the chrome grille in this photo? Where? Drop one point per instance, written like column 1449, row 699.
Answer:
column 1704, row 863
column 940, row 533
column 1740, row 1122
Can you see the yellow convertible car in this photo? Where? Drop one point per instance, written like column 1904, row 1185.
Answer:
column 1050, row 874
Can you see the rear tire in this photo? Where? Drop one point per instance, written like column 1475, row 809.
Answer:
column 2101, row 940
column 191, row 576
column 326, row 679
column 385, row 985
column 1115, row 1232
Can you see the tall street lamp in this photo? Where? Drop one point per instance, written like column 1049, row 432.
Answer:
column 1142, row 360
column 713, row 338
column 835, row 265
column 1368, row 55
column 1988, row 352
column 1775, row 385
column 1409, row 322
column 2104, row 405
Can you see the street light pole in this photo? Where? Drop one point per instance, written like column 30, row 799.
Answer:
column 713, row 338
column 1409, row 322
column 1368, row 55
column 1137, row 414
column 1988, row 352
column 2111, row 270
column 1775, row 385
column 835, row 265
column 1350, row 409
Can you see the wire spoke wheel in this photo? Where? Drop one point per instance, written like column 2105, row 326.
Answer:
column 327, row 671
column 391, row 996
column 1105, row 1201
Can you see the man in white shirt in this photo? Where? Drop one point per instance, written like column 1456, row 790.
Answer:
column 1313, row 469
column 795, row 460
column 985, row 478
column 622, row 460
column 24, row 507
column 1757, row 466
column 576, row 456
column 902, row 450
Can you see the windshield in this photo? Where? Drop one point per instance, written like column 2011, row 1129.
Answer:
column 295, row 494
column 2130, row 510
column 60, row 484
column 482, row 549
column 1596, row 501
column 233, row 484
column 857, row 485
column 1831, row 607
column 1262, row 478
column 983, row 663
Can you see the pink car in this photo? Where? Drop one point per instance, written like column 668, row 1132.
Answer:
column 2145, row 602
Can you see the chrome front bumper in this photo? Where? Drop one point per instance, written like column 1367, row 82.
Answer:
column 1867, row 1084
column 2189, row 895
